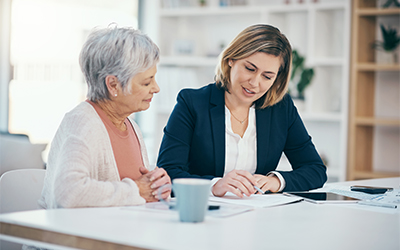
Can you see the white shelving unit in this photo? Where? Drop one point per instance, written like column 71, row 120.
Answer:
column 191, row 37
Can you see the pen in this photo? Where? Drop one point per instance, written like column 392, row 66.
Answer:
column 377, row 204
column 258, row 189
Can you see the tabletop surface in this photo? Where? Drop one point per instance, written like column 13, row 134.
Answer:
column 301, row 225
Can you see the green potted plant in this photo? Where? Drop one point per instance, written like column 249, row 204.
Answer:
column 301, row 76
column 388, row 3
column 389, row 44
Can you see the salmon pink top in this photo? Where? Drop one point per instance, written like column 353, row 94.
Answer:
column 125, row 145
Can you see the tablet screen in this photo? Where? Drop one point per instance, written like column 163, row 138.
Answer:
column 323, row 196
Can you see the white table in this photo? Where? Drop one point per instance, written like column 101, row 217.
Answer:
column 301, row 225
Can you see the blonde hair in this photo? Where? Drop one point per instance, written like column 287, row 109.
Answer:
column 258, row 38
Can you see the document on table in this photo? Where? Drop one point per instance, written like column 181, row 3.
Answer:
column 257, row 200
column 224, row 210
column 229, row 204
column 388, row 198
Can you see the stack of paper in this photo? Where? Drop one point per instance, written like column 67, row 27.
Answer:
column 257, row 200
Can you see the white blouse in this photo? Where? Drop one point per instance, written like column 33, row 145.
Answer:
column 241, row 152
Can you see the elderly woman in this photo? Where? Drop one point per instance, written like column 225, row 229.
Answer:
column 98, row 157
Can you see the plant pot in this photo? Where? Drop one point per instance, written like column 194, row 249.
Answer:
column 387, row 57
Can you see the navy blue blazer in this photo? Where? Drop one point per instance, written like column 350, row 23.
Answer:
column 193, row 145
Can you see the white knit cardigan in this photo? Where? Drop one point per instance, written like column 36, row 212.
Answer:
column 81, row 169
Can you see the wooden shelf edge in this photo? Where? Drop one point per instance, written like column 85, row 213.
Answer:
column 374, row 174
column 377, row 67
column 378, row 11
column 377, row 121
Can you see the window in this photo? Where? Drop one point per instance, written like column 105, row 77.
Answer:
column 46, row 38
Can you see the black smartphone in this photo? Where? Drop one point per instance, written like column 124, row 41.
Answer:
column 370, row 189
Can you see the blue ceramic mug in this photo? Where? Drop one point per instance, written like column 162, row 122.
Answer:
column 191, row 198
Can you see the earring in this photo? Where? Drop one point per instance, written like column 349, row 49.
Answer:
column 115, row 95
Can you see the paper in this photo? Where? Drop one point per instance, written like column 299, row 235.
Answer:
column 390, row 197
column 225, row 210
column 150, row 207
column 256, row 200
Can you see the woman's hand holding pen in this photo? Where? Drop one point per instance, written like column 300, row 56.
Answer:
column 150, row 181
column 238, row 182
column 266, row 183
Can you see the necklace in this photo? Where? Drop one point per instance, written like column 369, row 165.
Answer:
column 241, row 122
column 226, row 104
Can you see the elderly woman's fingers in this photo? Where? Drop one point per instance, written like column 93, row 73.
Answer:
column 143, row 170
column 157, row 173
column 165, row 194
column 160, row 182
column 145, row 190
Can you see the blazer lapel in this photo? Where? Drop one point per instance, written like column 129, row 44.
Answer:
column 217, row 117
column 263, row 126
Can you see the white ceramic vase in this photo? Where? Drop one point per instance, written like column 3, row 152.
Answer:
column 387, row 57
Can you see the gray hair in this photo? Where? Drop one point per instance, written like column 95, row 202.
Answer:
column 122, row 52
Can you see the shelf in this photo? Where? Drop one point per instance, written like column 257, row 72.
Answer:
column 377, row 67
column 326, row 61
column 188, row 61
column 378, row 12
column 321, row 117
column 209, row 11
column 377, row 121
column 245, row 9
column 212, row 61
column 318, row 30
column 374, row 122
column 373, row 174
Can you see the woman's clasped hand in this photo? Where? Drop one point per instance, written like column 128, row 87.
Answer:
column 151, row 181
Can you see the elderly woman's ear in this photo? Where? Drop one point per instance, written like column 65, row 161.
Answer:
column 112, row 85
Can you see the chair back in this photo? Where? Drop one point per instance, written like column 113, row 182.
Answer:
column 21, row 189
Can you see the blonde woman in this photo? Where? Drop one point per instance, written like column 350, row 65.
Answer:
column 235, row 130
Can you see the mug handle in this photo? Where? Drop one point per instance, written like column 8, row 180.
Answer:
column 160, row 191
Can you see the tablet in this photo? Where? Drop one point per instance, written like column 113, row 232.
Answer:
column 324, row 197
